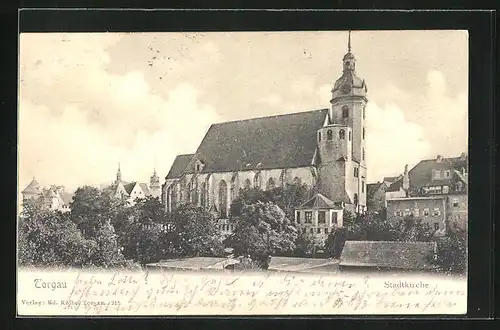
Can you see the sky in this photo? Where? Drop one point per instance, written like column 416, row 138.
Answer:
column 88, row 101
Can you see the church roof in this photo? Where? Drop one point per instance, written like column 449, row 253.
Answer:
column 179, row 165
column 319, row 201
column 421, row 174
column 32, row 187
column 282, row 141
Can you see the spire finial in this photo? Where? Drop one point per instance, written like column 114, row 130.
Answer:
column 349, row 42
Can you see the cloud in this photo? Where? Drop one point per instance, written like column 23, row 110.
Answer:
column 76, row 122
column 272, row 99
column 391, row 141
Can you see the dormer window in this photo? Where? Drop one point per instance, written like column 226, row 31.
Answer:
column 199, row 166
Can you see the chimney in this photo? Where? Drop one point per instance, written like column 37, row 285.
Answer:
column 439, row 159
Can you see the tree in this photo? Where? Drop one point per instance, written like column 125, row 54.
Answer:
column 304, row 244
column 287, row 197
column 335, row 241
column 91, row 208
column 451, row 252
column 194, row 233
column 413, row 229
column 262, row 230
column 48, row 238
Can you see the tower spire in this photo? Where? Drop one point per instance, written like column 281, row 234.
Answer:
column 349, row 42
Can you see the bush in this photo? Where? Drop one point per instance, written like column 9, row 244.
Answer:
column 335, row 242
column 451, row 254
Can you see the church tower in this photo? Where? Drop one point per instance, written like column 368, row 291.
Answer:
column 154, row 185
column 118, row 175
column 341, row 143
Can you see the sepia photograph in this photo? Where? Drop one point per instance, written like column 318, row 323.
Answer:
column 243, row 173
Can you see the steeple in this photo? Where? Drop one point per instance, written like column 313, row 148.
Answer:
column 118, row 174
column 349, row 60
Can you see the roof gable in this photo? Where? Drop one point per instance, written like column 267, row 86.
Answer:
column 32, row 187
column 281, row 141
column 179, row 165
column 319, row 201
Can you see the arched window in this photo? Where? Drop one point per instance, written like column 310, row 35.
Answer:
column 270, row 184
column 223, row 199
column 342, row 134
column 256, row 180
column 319, row 136
column 247, row 184
column 350, row 136
column 363, row 154
column 329, row 135
column 345, row 111
column 203, row 195
column 363, row 133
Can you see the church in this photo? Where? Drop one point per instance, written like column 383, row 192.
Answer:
column 324, row 149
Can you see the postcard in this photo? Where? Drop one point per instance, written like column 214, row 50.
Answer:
column 243, row 173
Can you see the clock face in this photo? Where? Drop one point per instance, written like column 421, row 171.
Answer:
column 346, row 88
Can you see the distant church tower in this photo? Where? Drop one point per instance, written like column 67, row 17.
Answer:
column 341, row 143
column 118, row 175
column 154, row 185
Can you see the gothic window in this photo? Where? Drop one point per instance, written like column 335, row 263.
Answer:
column 319, row 136
column 329, row 135
column 270, row 184
column 189, row 193
column 223, row 199
column 256, row 180
column 345, row 111
column 195, row 195
column 350, row 136
column 233, row 190
column 342, row 134
column 247, row 184
column 203, row 195
column 362, row 186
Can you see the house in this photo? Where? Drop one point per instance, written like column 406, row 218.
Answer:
column 130, row 191
column 375, row 195
column 368, row 256
column 323, row 149
column 53, row 198
column 319, row 216
column 435, row 190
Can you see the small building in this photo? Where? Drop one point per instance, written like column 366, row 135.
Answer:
column 319, row 216
column 375, row 195
column 130, row 191
column 430, row 209
column 434, row 190
column 53, row 198
column 194, row 264
column 303, row 265
column 358, row 256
